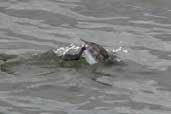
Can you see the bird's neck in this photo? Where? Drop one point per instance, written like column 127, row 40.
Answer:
column 81, row 51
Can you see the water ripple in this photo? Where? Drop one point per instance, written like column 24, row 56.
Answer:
column 138, row 30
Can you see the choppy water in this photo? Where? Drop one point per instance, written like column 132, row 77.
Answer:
column 141, row 86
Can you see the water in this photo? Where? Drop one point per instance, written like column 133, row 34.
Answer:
column 138, row 29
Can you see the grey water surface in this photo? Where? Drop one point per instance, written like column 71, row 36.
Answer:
column 139, row 29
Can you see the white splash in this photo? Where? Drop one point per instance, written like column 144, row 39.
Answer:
column 120, row 49
column 63, row 50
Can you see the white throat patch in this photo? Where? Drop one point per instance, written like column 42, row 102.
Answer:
column 89, row 58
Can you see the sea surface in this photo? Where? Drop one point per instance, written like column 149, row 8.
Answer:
column 140, row 31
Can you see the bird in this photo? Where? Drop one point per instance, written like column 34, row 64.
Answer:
column 94, row 53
